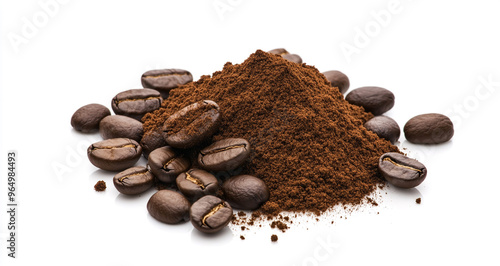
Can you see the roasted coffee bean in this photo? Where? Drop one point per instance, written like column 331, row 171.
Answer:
column 136, row 103
column 337, row 79
column 210, row 214
column 119, row 126
column 245, row 192
column 285, row 54
column 401, row 171
column 279, row 51
column 196, row 183
column 169, row 207
column 385, row 127
column 374, row 99
column 429, row 129
column 166, row 164
column 224, row 155
column 114, row 154
column 134, row 180
column 152, row 141
column 192, row 125
column 86, row 118
column 163, row 80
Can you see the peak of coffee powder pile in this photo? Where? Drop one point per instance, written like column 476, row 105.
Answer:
column 309, row 145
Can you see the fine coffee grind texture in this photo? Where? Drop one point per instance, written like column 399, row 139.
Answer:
column 308, row 144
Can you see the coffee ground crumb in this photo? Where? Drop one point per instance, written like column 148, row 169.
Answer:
column 274, row 238
column 242, row 237
column 418, row 200
column 100, row 185
column 280, row 225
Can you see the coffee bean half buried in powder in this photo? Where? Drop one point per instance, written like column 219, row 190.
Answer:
column 385, row 127
column 114, row 154
column 429, row 129
column 166, row 164
column 401, row 171
column 134, row 180
column 120, row 126
column 164, row 80
column 376, row 100
column 245, row 192
column 210, row 214
column 136, row 103
column 285, row 54
column 168, row 207
column 337, row 79
column 86, row 118
column 224, row 155
column 196, row 183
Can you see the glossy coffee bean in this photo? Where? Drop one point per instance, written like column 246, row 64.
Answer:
column 134, row 180
column 385, row 127
column 169, row 207
column 164, row 80
column 401, row 171
column 166, row 164
column 192, row 125
column 429, row 129
column 119, row 126
column 337, row 79
column 245, row 192
column 86, row 118
column 136, row 103
column 196, row 183
column 152, row 141
column 376, row 100
column 210, row 214
column 278, row 51
column 288, row 56
column 114, row 154
column 224, row 155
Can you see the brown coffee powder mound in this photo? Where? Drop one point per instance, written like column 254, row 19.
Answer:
column 100, row 186
column 308, row 144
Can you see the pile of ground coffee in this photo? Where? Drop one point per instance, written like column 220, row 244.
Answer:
column 308, row 144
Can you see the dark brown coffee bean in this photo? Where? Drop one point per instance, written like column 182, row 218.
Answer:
column 119, row 126
column 136, row 103
column 285, row 54
column 385, row 127
column 374, row 99
column 86, row 118
column 196, row 183
column 224, row 155
column 401, row 171
column 114, row 154
column 245, row 192
column 166, row 164
column 210, row 214
column 169, row 207
column 429, row 129
column 192, row 125
column 164, row 80
column 279, row 51
column 337, row 79
column 152, row 141
column 134, row 180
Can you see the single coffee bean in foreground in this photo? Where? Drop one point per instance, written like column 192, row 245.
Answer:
column 169, row 207
column 192, row 124
column 86, row 119
column 210, row 214
column 114, row 154
column 285, row 54
column 119, row 126
column 166, row 164
column 401, row 171
column 152, row 141
column 245, row 192
column 376, row 100
column 224, row 155
column 164, row 80
column 337, row 79
column 134, row 180
column 385, row 127
column 196, row 183
column 136, row 103
column 429, row 129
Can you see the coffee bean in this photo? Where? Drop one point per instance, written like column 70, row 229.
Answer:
column 119, row 126
column 224, row 155
column 278, row 51
column 164, row 80
column 196, row 183
column 136, row 103
column 169, row 207
column 285, row 54
column 337, row 79
column 429, row 129
column 210, row 214
column 134, row 180
column 152, row 141
column 385, row 127
column 245, row 192
column 401, row 171
column 86, row 118
column 374, row 99
column 192, row 125
column 114, row 154
column 166, row 164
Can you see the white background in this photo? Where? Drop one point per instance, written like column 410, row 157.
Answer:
column 436, row 56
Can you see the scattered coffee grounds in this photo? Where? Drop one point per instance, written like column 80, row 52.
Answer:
column 418, row 201
column 100, row 185
column 274, row 238
column 242, row 237
column 280, row 225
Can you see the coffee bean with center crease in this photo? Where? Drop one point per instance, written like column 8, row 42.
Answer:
column 152, row 141
column 429, row 129
column 245, row 192
column 164, row 80
column 134, row 180
column 169, row 207
column 385, row 127
column 376, row 100
column 401, row 171
column 210, row 214
column 196, row 183
column 337, row 79
column 166, row 164
column 288, row 56
column 114, row 154
column 224, row 155
column 136, row 103
column 119, row 126
column 86, row 118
